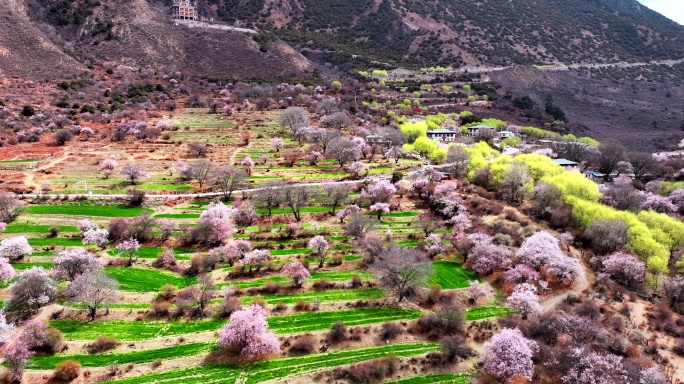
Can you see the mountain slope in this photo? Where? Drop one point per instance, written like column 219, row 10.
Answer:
column 140, row 33
column 499, row 32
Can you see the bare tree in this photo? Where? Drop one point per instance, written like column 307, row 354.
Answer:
column 337, row 194
column 294, row 118
column 93, row 290
column 608, row 157
column 572, row 150
column 643, row 164
column 402, row 270
column 323, row 137
column 228, row 180
column 202, row 172
column 197, row 295
column 359, row 226
column 428, row 223
column 392, row 137
column 343, row 150
column 513, row 182
column 197, row 150
column 62, row 136
column 458, row 160
column 337, row 120
column 327, row 106
column 296, row 198
column 269, row 196
column 10, row 208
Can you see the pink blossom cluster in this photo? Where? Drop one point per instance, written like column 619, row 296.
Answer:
column 318, row 245
column 14, row 248
column 525, row 300
column 297, row 272
column 74, row 262
column 247, row 333
column 433, row 245
column 99, row 237
column 219, row 219
column 509, row 354
column 380, row 192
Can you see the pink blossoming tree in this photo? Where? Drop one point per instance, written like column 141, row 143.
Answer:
column 71, row 263
column 509, row 354
column 525, row 300
column 15, row 248
column 6, row 270
column 319, row 245
column 247, row 334
column 297, row 271
column 218, row 219
column 625, row 269
column 128, row 248
column 99, row 237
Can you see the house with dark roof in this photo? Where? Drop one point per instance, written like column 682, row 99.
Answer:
column 476, row 130
column 567, row 164
column 442, row 135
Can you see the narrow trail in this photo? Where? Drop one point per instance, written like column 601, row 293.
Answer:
column 580, row 285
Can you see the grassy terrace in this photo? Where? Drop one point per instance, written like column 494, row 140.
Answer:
column 481, row 313
column 59, row 241
column 335, row 276
column 136, row 357
column 446, row 378
column 33, row 228
column 86, row 210
column 147, row 280
column 452, row 275
column 299, row 322
column 153, row 252
column 279, row 368
column 324, row 296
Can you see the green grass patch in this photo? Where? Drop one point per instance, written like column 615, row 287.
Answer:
column 481, row 313
column 277, row 369
column 153, row 252
column 336, row 276
column 136, row 357
column 324, row 296
column 293, row 251
column 25, row 266
column 147, row 280
column 317, row 321
column 178, row 216
column 284, row 211
column 446, row 378
column 31, row 228
column 452, row 275
column 86, row 210
column 131, row 330
column 60, row 241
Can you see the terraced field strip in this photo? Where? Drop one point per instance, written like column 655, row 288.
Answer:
column 147, row 280
column 279, row 368
column 25, row 266
column 59, row 241
column 86, row 210
column 452, row 275
column 481, row 313
column 131, row 330
column 285, row 211
column 34, row 228
column 446, row 378
column 335, row 276
column 323, row 296
column 153, row 252
column 316, row 321
column 135, row 357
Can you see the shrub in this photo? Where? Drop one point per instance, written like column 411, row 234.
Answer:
column 62, row 136
column 390, row 331
column 304, row 345
column 338, row 333
column 54, row 231
column 228, row 306
column 53, row 341
column 160, row 309
column 373, row 371
column 455, row 346
column 302, row 306
column 102, row 344
column 679, row 347
column 167, row 292
column 67, row 370
column 322, row 285
column 135, row 197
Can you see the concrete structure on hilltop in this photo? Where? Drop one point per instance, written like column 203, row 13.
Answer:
column 183, row 10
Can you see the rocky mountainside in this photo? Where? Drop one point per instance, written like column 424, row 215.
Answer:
column 136, row 33
column 430, row 32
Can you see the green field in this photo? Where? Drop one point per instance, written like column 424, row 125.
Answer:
column 86, row 210
column 452, row 275
column 335, row 276
column 324, row 296
column 446, row 378
column 316, row 321
column 147, row 280
column 59, row 241
column 136, row 357
column 131, row 330
column 481, row 313
column 153, row 253
column 33, row 228
column 278, row 369
column 24, row 266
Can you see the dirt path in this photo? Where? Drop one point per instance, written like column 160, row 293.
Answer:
column 580, row 285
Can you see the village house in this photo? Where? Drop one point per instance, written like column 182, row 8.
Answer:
column 476, row 130
column 506, row 134
column 442, row 135
column 567, row 164
column 183, row 10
